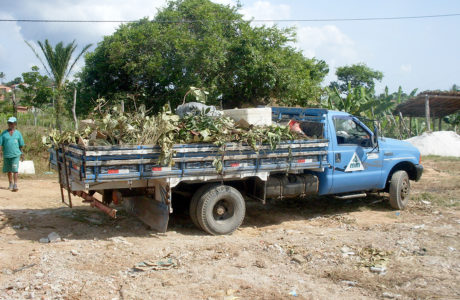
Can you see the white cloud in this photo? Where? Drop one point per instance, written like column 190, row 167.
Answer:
column 264, row 10
column 78, row 10
column 325, row 41
column 406, row 68
column 328, row 43
column 225, row 2
column 15, row 56
column 14, row 53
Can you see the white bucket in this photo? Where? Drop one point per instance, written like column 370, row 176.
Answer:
column 26, row 167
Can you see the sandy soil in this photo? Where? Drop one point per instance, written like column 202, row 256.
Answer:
column 301, row 249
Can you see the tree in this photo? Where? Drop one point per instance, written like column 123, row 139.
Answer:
column 357, row 75
column 2, row 76
column 58, row 60
column 16, row 80
column 37, row 88
column 206, row 45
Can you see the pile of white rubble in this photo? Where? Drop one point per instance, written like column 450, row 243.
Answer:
column 443, row 143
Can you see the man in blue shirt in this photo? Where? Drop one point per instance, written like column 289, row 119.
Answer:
column 11, row 143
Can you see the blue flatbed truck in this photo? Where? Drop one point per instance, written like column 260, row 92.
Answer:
column 339, row 156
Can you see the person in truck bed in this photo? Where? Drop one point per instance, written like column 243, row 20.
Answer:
column 11, row 143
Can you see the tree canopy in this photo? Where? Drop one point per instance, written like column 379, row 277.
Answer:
column 207, row 45
column 16, row 80
column 37, row 88
column 356, row 76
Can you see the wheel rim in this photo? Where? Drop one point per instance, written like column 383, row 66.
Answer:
column 405, row 188
column 222, row 210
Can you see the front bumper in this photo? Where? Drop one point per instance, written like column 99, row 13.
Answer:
column 418, row 172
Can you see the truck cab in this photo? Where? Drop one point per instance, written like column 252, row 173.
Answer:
column 360, row 161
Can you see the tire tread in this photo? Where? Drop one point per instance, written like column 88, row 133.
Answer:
column 395, row 190
column 194, row 203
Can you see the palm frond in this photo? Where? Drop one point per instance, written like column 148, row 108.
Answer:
column 39, row 57
column 78, row 57
column 58, row 59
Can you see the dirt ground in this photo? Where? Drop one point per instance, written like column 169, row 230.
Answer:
column 301, row 249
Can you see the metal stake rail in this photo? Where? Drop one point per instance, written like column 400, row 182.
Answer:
column 61, row 165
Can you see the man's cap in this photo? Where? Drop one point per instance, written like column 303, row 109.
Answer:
column 12, row 120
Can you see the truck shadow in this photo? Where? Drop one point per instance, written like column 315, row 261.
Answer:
column 85, row 223
column 277, row 212
column 296, row 209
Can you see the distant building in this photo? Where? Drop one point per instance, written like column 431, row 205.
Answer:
column 3, row 91
column 18, row 85
column 22, row 109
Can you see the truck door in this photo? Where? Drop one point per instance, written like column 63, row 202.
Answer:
column 357, row 165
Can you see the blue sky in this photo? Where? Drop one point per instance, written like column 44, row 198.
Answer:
column 422, row 53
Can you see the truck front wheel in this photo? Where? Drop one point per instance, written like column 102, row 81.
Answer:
column 399, row 190
column 220, row 209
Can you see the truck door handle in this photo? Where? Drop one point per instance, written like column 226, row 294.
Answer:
column 338, row 157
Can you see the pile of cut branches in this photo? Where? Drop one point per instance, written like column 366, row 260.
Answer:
column 114, row 127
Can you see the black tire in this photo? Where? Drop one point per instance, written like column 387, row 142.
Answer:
column 194, row 203
column 221, row 210
column 399, row 190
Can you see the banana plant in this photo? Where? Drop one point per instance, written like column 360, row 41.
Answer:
column 360, row 102
column 356, row 101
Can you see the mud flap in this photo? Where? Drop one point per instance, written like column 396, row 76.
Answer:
column 153, row 213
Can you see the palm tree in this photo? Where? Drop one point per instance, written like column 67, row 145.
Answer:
column 58, row 67
column 2, row 76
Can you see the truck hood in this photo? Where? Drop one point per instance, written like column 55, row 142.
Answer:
column 388, row 142
column 398, row 147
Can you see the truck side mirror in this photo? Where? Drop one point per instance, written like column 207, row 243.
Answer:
column 375, row 137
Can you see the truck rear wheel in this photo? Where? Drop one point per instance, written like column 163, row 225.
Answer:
column 220, row 209
column 399, row 190
column 194, row 203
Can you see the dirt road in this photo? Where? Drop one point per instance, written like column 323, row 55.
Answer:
column 301, row 249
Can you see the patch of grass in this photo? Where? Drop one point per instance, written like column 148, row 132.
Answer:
column 436, row 158
column 34, row 149
column 424, row 196
column 443, row 199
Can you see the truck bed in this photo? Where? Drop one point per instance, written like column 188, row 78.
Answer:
column 87, row 166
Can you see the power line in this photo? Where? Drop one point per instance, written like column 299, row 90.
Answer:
column 227, row 21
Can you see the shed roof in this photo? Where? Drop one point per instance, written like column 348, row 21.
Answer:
column 441, row 104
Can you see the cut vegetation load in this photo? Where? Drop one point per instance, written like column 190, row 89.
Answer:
column 165, row 129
